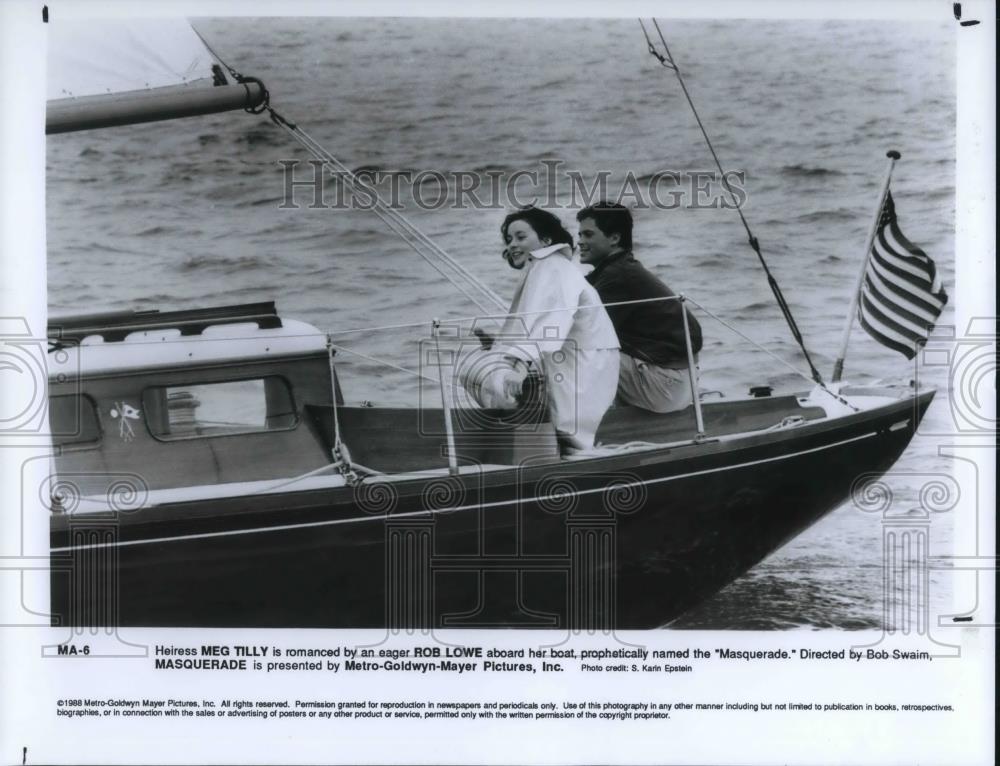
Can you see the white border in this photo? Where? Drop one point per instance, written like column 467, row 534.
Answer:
column 29, row 684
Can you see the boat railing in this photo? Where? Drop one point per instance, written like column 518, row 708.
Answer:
column 446, row 381
column 191, row 324
column 116, row 326
column 437, row 323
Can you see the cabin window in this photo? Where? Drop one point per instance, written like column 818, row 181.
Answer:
column 73, row 420
column 219, row 409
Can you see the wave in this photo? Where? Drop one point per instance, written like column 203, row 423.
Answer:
column 266, row 201
column 491, row 167
column 372, row 170
column 389, row 277
column 101, row 247
column 755, row 306
column 804, row 171
column 669, row 177
column 176, row 176
column 264, row 136
column 559, row 82
column 153, row 231
column 826, row 216
column 712, row 261
column 227, row 263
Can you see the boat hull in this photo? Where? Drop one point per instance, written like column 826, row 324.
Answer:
column 625, row 541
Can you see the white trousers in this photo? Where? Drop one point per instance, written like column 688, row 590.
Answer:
column 581, row 386
column 658, row 389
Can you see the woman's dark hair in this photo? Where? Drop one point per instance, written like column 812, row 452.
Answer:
column 546, row 225
column 611, row 218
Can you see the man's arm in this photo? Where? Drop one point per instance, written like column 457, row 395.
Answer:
column 612, row 288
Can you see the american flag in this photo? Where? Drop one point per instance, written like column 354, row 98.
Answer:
column 901, row 296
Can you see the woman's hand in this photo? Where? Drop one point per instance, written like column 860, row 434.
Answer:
column 485, row 339
column 513, row 379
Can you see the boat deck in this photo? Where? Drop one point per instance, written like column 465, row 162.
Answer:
column 400, row 440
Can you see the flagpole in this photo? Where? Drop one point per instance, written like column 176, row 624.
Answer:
column 838, row 367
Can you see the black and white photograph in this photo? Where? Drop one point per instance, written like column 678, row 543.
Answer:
column 510, row 332
column 255, row 314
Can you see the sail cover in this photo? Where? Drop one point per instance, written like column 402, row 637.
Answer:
column 118, row 72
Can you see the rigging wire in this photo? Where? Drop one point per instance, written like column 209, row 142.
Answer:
column 462, row 320
column 403, row 221
column 668, row 62
column 412, row 235
column 414, row 373
column 399, row 224
column 770, row 353
column 467, row 319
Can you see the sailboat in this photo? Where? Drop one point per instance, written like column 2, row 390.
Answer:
column 209, row 471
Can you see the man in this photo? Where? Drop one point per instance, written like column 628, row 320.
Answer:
column 654, row 361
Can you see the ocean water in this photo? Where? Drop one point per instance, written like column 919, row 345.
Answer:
column 184, row 214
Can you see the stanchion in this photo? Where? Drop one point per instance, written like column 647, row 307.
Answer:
column 692, row 376
column 445, row 401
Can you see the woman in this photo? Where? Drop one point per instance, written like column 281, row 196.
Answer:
column 557, row 324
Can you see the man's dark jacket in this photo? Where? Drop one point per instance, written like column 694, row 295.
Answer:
column 653, row 331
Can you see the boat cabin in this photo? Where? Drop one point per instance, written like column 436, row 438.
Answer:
column 235, row 395
column 235, row 400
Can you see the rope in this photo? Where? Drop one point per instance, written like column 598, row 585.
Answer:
column 383, row 328
column 462, row 320
column 717, row 318
column 382, row 361
column 316, row 472
column 404, row 222
column 771, row 354
column 333, row 346
column 412, row 235
column 399, row 225
column 236, row 75
column 341, row 457
column 265, row 103
column 669, row 62
column 791, row 421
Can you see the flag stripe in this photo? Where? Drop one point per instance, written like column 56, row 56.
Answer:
column 871, row 311
column 891, row 304
column 902, row 248
column 903, row 242
column 906, row 264
column 890, row 316
column 901, row 296
column 888, row 339
column 929, row 301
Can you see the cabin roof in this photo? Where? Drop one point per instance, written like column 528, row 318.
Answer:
column 167, row 347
